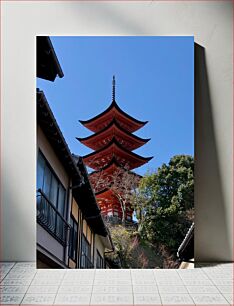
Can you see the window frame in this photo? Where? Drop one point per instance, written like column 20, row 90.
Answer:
column 87, row 247
column 71, row 239
column 100, row 259
column 58, row 185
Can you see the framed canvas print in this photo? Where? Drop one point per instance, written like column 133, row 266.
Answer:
column 109, row 231
column 115, row 152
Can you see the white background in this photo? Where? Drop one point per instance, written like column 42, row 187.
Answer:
column 211, row 24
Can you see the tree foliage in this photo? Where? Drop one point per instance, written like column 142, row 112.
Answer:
column 121, row 182
column 130, row 251
column 165, row 202
column 124, row 243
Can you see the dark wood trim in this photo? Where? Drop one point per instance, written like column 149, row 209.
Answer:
column 48, row 66
column 49, row 125
column 114, row 161
column 102, row 259
column 94, row 240
column 114, row 141
column 113, row 122
column 57, row 212
column 77, row 223
column 58, row 263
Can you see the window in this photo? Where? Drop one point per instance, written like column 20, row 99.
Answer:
column 86, row 262
column 40, row 171
column 99, row 261
column 51, row 199
column 73, row 239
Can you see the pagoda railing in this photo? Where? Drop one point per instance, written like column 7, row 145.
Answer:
column 118, row 221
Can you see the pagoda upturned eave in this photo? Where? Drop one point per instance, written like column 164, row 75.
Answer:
column 113, row 129
column 104, row 191
column 101, row 120
column 106, row 196
column 110, row 171
column 99, row 159
column 111, row 167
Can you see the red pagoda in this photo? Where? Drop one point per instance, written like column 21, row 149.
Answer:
column 113, row 142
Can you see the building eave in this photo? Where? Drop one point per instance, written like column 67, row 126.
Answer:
column 85, row 195
column 108, row 243
column 81, row 188
column 48, row 66
column 114, row 123
column 111, row 163
column 186, row 249
column 103, row 191
column 49, row 125
column 115, row 142
column 113, row 105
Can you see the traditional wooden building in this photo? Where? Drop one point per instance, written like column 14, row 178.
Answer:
column 70, row 229
column 113, row 143
column 48, row 66
column 186, row 250
column 71, row 232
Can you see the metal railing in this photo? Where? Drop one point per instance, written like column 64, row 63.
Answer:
column 86, row 262
column 115, row 220
column 50, row 218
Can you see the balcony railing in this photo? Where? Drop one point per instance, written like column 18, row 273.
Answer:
column 51, row 219
column 86, row 262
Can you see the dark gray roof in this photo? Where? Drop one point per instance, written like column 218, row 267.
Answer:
column 48, row 66
column 186, row 249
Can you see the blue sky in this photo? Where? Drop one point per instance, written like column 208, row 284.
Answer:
column 154, row 82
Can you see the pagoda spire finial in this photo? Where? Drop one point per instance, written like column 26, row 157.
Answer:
column 113, row 143
column 113, row 89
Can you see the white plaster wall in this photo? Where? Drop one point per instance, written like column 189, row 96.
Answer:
column 211, row 24
column 50, row 155
column 49, row 243
column 98, row 246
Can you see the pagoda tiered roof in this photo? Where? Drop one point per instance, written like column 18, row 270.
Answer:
column 127, row 122
column 100, row 158
column 113, row 143
column 107, row 172
column 107, row 201
column 112, row 166
column 113, row 129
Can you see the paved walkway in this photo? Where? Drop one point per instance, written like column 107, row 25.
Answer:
column 208, row 284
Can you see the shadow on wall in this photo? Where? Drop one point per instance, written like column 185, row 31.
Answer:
column 211, row 224
column 18, row 221
column 109, row 14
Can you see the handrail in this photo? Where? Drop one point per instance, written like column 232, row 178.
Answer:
column 44, row 196
column 51, row 219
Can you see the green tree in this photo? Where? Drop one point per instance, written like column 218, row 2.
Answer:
column 130, row 250
column 165, row 203
column 122, row 183
column 124, row 242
